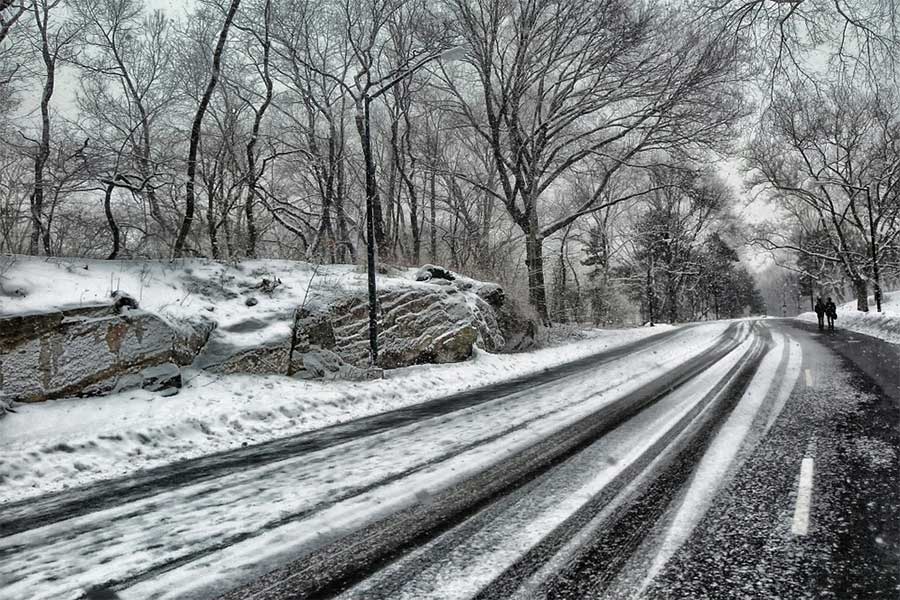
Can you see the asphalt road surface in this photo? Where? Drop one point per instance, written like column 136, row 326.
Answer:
column 751, row 460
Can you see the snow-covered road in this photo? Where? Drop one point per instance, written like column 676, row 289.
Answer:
column 216, row 533
column 593, row 479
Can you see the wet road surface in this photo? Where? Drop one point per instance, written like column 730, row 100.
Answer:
column 745, row 461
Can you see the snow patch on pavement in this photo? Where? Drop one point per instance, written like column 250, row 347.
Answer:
column 788, row 381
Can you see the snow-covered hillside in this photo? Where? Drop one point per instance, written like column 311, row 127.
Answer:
column 884, row 325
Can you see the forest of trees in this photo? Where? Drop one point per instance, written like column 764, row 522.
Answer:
column 567, row 148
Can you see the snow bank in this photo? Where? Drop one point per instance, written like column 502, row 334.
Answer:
column 57, row 444
column 884, row 325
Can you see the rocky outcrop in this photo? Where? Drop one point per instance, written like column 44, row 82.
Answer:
column 113, row 347
column 434, row 272
column 81, row 351
column 508, row 326
column 418, row 325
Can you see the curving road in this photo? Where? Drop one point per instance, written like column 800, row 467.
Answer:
column 752, row 459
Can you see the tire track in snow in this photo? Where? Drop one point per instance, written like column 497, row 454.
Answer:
column 40, row 511
column 719, row 458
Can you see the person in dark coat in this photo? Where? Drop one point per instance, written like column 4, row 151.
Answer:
column 831, row 313
column 820, row 312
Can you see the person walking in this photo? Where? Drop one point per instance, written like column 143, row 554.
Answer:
column 831, row 313
column 820, row 312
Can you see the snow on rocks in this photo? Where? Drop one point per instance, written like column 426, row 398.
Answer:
column 79, row 351
column 230, row 319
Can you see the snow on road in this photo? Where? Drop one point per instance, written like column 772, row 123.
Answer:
column 227, row 529
column 468, row 564
column 53, row 445
column 721, row 458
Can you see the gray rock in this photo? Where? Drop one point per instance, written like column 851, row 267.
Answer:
column 161, row 377
column 318, row 363
column 418, row 325
column 251, row 301
column 493, row 294
column 219, row 356
column 78, row 352
column 518, row 326
column 123, row 301
column 128, row 381
column 434, row 272
column 190, row 338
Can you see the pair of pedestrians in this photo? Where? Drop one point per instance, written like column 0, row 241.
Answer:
column 826, row 309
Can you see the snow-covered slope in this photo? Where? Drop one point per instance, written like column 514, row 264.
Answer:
column 884, row 325
column 186, row 290
column 57, row 444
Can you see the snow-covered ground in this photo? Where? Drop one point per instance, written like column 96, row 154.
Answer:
column 58, row 444
column 186, row 290
column 884, row 325
column 237, row 525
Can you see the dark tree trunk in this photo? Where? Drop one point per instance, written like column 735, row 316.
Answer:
column 861, row 287
column 534, row 261
column 252, row 175
column 212, row 220
column 432, row 239
column 650, row 315
column 113, row 227
column 195, row 131
column 362, row 126
column 43, row 150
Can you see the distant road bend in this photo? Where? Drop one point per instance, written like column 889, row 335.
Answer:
column 756, row 455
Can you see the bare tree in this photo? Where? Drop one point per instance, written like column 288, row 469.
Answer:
column 788, row 38
column 831, row 159
column 12, row 12
column 196, row 129
column 563, row 83
column 54, row 36
column 126, row 86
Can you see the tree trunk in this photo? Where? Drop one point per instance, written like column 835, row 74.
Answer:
column 534, row 261
column 252, row 175
column 195, row 131
column 43, row 151
column 113, row 227
column 862, row 294
column 432, row 239
column 211, row 219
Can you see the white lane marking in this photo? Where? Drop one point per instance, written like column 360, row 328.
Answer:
column 804, row 498
column 809, row 379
